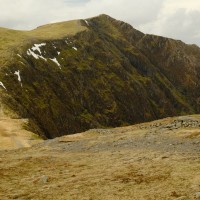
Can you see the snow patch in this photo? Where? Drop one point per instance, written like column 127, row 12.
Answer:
column 58, row 52
column 2, row 85
column 55, row 61
column 43, row 58
column 37, row 47
column 75, row 48
column 19, row 55
column 29, row 53
column 36, row 56
column 87, row 22
column 17, row 73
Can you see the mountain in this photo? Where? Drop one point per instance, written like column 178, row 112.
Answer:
column 73, row 76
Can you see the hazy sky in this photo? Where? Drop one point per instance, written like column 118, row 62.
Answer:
column 179, row 19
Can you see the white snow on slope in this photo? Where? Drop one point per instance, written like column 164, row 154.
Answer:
column 31, row 52
column 2, row 85
column 19, row 55
column 36, row 56
column 87, row 22
column 75, row 48
column 37, row 47
column 17, row 73
column 22, row 63
column 55, row 60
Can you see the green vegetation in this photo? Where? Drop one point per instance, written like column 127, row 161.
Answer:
column 107, row 76
column 13, row 40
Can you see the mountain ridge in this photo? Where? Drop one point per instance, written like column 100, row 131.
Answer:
column 107, row 74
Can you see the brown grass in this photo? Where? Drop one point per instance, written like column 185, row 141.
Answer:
column 100, row 176
column 94, row 173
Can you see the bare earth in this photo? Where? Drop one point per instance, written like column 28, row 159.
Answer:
column 151, row 161
column 13, row 135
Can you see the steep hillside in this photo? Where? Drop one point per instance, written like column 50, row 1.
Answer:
column 102, row 73
column 12, row 41
column 152, row 161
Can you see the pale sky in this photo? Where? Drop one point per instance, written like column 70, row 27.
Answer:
column 178, row 19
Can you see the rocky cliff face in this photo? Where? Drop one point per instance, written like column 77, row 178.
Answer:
column 106, row 75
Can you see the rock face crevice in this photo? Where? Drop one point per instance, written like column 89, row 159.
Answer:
column 110, row 75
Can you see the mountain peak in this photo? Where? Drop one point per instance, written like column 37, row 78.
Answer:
column 72, row 76
column 103, row 16
column 116, row 27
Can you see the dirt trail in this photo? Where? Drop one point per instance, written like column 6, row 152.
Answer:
column 13, row 135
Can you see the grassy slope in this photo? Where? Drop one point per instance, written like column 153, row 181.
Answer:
column 115, row 77
column 107, row 82
column 13, row 39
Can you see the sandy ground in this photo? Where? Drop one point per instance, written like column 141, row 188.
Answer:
column 151, row 161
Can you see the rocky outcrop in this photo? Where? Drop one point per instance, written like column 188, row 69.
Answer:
column 181, row 122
